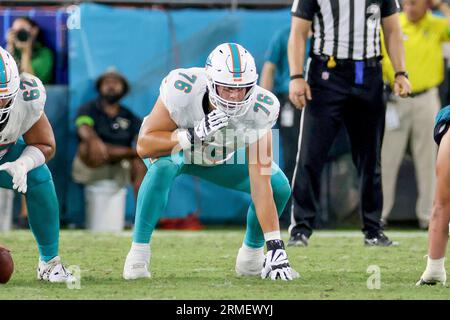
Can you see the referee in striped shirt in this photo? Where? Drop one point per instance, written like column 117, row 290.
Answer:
column 342, row 86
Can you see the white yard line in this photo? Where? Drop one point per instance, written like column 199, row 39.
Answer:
column 233, row 233
column 317, row 234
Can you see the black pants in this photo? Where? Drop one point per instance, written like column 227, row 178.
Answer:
column 289, row 125
column 340, row 96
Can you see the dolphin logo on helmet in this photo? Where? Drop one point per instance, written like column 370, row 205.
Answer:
column 231, row 65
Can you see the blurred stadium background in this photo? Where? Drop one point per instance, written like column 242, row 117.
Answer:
column 144, row 40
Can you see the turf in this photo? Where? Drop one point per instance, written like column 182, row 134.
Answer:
column 200, row 265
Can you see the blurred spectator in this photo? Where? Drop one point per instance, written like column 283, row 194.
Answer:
column 107, row 131
column 275, row 78
column 25, row 43
column 412, row 119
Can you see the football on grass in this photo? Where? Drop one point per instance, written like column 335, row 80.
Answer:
column 6, row 265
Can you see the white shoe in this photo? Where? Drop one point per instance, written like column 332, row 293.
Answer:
column 137, row 265
column 249, row 261
column 54, row 271
column 429, row 278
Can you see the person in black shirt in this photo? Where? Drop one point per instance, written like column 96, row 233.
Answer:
column 342, row 86
column 107, row 131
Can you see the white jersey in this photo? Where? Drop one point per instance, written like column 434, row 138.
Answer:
column 26, row 111
column 183, row 93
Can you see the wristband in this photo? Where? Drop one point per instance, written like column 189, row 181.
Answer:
column 275, row 245
column 273, row 235
column 184, row 139
column 32, row 157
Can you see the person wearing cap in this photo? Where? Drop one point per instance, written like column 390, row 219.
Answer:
column 107, row 131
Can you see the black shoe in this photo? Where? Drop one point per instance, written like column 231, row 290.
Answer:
column 379, row 239
column 298, row 240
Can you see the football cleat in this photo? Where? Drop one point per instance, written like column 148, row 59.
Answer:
column 137, row 265
column 298, row 240
column 249, row 261
column 379, row 239
column 54, row 271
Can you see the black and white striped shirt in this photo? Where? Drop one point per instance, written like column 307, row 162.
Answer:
column 345, row 29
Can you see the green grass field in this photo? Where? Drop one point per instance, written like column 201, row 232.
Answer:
column 200, row 265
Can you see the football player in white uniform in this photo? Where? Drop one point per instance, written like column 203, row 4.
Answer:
column 26, row 144
column 208, row 113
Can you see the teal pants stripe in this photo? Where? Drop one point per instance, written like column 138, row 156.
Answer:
column 154, row 192
column 42, row 203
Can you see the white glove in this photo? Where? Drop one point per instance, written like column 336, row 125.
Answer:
column 434, row 272
column 276, row 264
column 30, row 158
column 18, row 171
column 210, row 124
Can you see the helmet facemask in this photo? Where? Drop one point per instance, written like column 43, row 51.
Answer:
column 231, row 108
column 6, row 109
column 9, row 84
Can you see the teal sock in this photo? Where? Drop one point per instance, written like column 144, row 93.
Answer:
column 43, row 217
column 152, row 198
column 254, row 236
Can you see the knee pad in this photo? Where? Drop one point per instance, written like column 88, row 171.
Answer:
column 163, row 167
column 38, row 175
column 161, row 173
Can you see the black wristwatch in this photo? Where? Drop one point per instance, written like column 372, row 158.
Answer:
column 401, row 73
column 296, row 76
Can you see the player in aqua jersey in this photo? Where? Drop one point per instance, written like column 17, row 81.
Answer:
column 26, row 144
column 440, row 215
column 202, row 116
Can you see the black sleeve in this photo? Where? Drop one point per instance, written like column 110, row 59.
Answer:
column 389, row 7
column 86, row 115
column 84, row 110
column 305, row 9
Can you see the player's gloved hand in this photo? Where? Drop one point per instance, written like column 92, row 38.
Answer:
column 434, row 273
column 276, row 264
column 210, row 124
column 18, row 171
